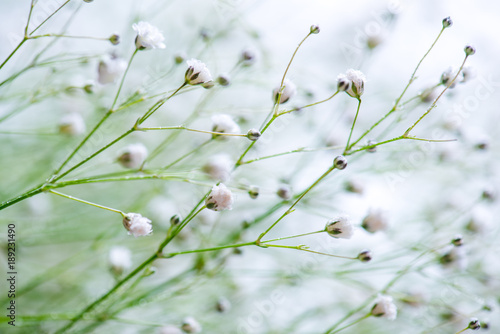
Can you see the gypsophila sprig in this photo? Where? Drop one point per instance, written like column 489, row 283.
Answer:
column 137, row 225
column 148, row 36
column 447, row 22
column 357, row 82
column 220, row 198
column 385, row 307
column 470, row 50
column 284, row 93
column 197, row 72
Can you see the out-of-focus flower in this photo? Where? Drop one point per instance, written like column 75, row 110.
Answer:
column 447, row 76
column 221, row 198
column 357, row 82
column 468, row 73
column 72, row 124
column 225, row 124
column 253, row 134
column 133, row 155
column 340, row 227
column 120, row 259
column 289, row 91
column 285, row 192
column 190, row 325
column 170, row 329
column 374, row 221
column 385, row 307
column 110, row 68
column 197, row 72
column 148, row 36
column 455, row 257
column 223, row 305
column 137, row 225
column 219, row 167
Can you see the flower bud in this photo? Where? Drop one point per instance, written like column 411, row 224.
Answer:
column 285, row 192
column 224, row 80
column 179, row 57
column 190, row 325
column 384, row 307
column 110, row 68
column 447, row 22
column 88, row 1
column 89, row 88
column 175, row 220
column 447, row 76
column 220, row 198
column 340, row 227
column 371, row 149
column 253, row 134
column 72, row 124
column 253, row 192
column 137, row 225
column 120, row 259
column 457, row 240
column 469, row 50
column 288, row 90
column 115, row 39
column 356, row 81
column 365, row 256
column 208, row 85
column 343, row 83
column 489, row 194
column 340, row 162
column 374, row 221
column 223, row 305
column 197, row 72
column 170, row 329
column 248, row 57
column 219, row 167
column 314, row 29
column 224, row 124
column 474, row 324
column 133, row 155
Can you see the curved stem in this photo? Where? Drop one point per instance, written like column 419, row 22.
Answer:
column 352, row 127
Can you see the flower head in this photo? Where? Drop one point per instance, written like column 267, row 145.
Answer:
column 137, row 225
column 110, row 69
column 447, row 76
column 225, row 124
column 289, row 91
column 219, row 167
column 220, row 198
column 120, row 259
column 385, row 307
column 374, row 221
column 357, row 82
column 133, row 155
column 190, row 325
column 197, row 72
column 148, row 36
column 340, row 227
column 72, row 124
column 170, row 329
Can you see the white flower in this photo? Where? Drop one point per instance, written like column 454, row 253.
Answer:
column 219, row 167
column 340, row 227
column 223, row 305
column 468, row 73
column 197, row 72
column 190, row 325
column 374, row 221
column 285, row 192
column 357, row 80
column 170, row 329
column 120, row 259
column 455, row 257
column 148, row 36
column 137, row 225
column 72, row 124
column 110, row 69
column 385, row 307
column 225, row 124
column 289, row 91
column 133, row 155
column 447, row 76
column 220, row 198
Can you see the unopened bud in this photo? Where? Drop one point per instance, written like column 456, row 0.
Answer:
column 457, row 240
column 253, row 192
column 469, row 50
column 447, row 22
column 224, row 80
column 253, row 134
column 315, row 29
column 285, row 192
column 175, row 220
column 114, row 39
column 340, row 162
column 474, row 324
column 365, row 255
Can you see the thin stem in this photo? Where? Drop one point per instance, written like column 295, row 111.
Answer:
column 298, row 150
column 352, row 323
column 196, row 149
column 367, row 147
column 352, row 127
column 181, row 127
column 308, row 105
column 437, row 98
column 87, row 202
column 158, row 104
column 304, row 249
column 36, row 190
column 239, row 161
column 294, row 236
column 290, row 209
column 169, row 255
column 463, row 330
column 29, row 18
column 395, row 107
column 290, row 62
column 68, row 36
column 13, row 52
column 48, row 18
column 122, row 81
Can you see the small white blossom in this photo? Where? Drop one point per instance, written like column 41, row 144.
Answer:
column 340, row 227
column 190, row 325
column 221, row 198
column 120, row 259
column 455, row 257
column 468, row 73
column 357, row 80
column 374, row 221
column 289, row 91
column 447, row 76
column 170, row 329
column 133, row 155
column 385, row 307
column 284, row 191
column 72, row 124
column 197, row 72
column 223, row 305
column 137, row 225
column 110, row 69
column 225, row 124
column 219, row 167
column 148, row 36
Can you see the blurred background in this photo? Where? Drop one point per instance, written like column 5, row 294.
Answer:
column 429, row 192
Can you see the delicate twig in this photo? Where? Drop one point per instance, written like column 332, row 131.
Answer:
column 87, row 202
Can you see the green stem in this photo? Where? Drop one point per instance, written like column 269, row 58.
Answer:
column 13, row 52
column 351, row 324
column 169, row 255
column 158, row 105
column 36, row 190
column 122, row 81
column 181, row 127
column 48, row 18
column 308, row 105
column 196, row 149
column 68, row 36
column 87, row 202
column 352, row 127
